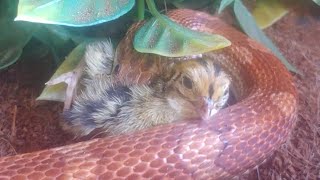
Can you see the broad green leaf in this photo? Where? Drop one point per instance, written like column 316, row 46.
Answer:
column 162, row 36
column 58, row 92
column 268, row 12
column 9, row 56
column 14, row 36
column 72, row 12
column 250, row 27
column 224, row 4
column 8, row 9
column 317, row 2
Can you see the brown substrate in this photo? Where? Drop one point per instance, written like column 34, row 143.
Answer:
column 26, row 125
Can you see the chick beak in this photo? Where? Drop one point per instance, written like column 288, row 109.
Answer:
column 206, row 108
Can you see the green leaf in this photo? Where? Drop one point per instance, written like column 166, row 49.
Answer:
column 14, row 36
column 58, row 92
column 317, row 2
column 224, row 4
column 250, row 27
column 160, row 35
column 72, row 12
column 164, row 37
column 268, row 12
column 8, row 9
column 10, row 56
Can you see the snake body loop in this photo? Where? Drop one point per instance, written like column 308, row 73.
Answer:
column 237, row 139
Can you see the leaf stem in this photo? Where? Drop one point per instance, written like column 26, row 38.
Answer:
column 141, row 8
column 152, row 7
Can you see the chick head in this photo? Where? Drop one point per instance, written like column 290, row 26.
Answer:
column 197, row 88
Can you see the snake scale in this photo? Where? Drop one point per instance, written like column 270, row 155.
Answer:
column 239, row 138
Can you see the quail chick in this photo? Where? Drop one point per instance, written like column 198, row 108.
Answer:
column 194, row 89
column 101, row 50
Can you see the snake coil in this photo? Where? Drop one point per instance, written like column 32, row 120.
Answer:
column 239, row 138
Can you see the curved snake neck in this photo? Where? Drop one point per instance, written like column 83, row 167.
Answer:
column 239, row 138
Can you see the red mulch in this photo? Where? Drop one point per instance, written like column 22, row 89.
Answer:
column 25, row 125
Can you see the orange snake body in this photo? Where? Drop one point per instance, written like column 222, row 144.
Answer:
column 239, row 137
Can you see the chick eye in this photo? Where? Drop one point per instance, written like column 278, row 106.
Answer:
column 187, row 82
